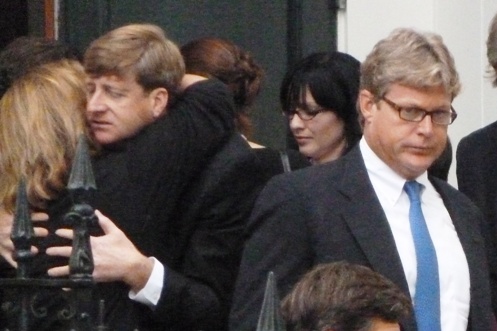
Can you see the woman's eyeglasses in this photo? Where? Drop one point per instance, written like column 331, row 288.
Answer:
column 304, row 114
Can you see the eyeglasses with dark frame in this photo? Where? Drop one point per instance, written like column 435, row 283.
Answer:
column 414, row 114
column 304, row 114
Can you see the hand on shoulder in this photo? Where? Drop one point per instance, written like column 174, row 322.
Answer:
column 190, row 79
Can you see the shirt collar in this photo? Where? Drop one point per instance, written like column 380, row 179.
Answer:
column 386, row 182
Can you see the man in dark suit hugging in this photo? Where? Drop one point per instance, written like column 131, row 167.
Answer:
column 377, row 206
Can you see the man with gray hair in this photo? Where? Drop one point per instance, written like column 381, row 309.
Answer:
column 377, row 206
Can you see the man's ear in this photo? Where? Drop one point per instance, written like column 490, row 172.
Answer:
column 366, row 104
column 159, row 98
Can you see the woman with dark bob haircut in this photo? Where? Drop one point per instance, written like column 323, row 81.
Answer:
column 322, row 90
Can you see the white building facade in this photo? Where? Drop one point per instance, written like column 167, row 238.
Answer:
column 463, row 24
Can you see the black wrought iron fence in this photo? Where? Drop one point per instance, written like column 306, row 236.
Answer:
column 73, row 294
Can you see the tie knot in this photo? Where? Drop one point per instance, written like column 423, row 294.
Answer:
column 412, row 189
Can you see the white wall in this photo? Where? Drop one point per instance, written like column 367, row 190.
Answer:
column 463, row 24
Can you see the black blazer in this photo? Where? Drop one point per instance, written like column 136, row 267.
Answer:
column 477, row 178
column 331, row 213
column 207, row 230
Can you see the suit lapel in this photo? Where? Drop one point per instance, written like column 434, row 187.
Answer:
column 367, row 221
column 473, row 246
column 458, row 215
column 466, row 232
column 368, row 224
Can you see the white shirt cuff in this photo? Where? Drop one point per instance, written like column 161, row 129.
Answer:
column 150, row 294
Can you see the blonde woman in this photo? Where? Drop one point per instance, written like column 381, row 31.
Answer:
column 42, row 116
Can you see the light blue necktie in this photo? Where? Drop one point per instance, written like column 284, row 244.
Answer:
column 427, row 296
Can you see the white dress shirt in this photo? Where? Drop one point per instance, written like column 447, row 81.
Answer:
column 452, row 264
column 150, row 294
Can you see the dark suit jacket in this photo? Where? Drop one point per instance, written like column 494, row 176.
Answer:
column 140, row 187
column 477, row 178
column 272, row 163
column 331, row 213
column 207, row 231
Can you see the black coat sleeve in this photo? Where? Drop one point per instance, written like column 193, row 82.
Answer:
column 470, row 177
column 209, row 226
column 476, row 178
column 278, row 241
column 140, row 184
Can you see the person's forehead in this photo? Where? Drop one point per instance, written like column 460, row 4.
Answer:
column 382, row 325
column 419, row 93
column 113, row 79
column 305, row 97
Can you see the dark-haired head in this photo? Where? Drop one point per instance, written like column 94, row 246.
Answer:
column 25, row 53
column 333, row 80
column 346, row 297
column 492, row 49
column 222, row 59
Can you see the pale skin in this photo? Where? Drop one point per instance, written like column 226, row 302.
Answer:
column 409, row 148
column 381, row 325
column 6, row 245
column 108, row 251
column 118, row 107
column 377, row 324
column 322, row 139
